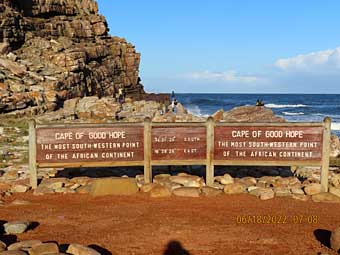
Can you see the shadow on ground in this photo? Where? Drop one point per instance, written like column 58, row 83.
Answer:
column 99, row 249
column 33, row 225
column 175, row 248
column 234, row 171
column 323, row 236
column 7, row 239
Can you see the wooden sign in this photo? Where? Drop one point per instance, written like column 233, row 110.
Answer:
column 266, row 143
column 89, row 144
column 207, row 143
column 178, row 143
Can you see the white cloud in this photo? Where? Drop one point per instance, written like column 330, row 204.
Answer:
column 321, row 61
column 316, row 72
column 227, row 76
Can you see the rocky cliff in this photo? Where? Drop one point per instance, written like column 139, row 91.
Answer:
column 54, row 50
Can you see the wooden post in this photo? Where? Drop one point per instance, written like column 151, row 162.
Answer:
column 210, row 151
column 147, row 151
column 325, row 154
column 32, row 150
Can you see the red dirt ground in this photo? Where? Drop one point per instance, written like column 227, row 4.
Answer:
column 141, row 225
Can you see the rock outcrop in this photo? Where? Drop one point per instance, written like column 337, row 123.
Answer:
column 106, row 109
column 53, row 50
column 248, row 114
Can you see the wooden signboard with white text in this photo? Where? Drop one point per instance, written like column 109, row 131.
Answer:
column 180, row 143
column 206, row 143
column 91, row 144
column 266, row 143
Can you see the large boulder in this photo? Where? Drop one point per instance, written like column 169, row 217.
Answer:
column 234, row 188
column 16, row 227
column 251, row 114
column 93, row 107
column 78, row 249
column 44, row 249
column 159, row 191
column 211, row 192
column 139, row 110
column 114, row 186
column 326, row 197
column 186, row 192
column 24, row 245
column 13, row 253
column 187, row 180
column 263, row 193
column 313, row 189
column 225, row 179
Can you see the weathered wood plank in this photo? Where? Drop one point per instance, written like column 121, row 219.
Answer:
column 147, row 151
column 325, row 154
column 91, row 164
column 32, row 154
column 178, row 162
column 270, row 124
column 266, row 163
column 91, row 125
column 209, row 170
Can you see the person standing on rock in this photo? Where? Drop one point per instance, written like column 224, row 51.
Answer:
column 121, row 94
column 174, row 105
column 173, row 96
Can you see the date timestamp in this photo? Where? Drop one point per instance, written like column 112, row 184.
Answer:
column 277, row 219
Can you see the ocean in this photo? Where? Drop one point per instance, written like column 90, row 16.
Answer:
column 293, row 107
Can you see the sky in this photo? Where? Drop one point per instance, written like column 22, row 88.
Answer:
column 232, row 46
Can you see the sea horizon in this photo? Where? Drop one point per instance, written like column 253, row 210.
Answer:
column 250, row 93
column 296, row 107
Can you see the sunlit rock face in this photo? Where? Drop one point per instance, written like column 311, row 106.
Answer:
column 53, row 50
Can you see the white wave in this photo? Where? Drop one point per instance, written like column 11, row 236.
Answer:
column 195, row 110
column 293, row 113
column 284, row 105
column 332, row 116
column 335, row 126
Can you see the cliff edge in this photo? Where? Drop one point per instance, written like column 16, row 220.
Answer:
column 54, row 50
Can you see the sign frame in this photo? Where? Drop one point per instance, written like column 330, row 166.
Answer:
column 209, row 161
column 34, row 165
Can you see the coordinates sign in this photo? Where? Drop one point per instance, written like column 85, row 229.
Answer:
column 98, row 144
column 263, row 143
column 179, row 143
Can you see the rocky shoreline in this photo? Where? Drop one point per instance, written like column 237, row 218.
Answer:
column 300, row 183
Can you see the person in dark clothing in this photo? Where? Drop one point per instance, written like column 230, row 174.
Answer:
column 173, row 96
column 259, row 102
